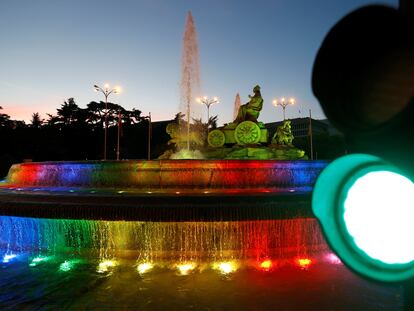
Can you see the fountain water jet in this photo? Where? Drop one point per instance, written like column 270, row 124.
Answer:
column 190, row 71
column 237, row 104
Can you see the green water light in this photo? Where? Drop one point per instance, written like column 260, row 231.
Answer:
column 68, row 265
column 40, row 259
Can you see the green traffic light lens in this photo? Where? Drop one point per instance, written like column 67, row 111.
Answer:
column 379, row 215
column 366, row 208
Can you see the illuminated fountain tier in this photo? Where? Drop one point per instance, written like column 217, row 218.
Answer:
column 172, row 190
column 93, row 225
column 177, row 214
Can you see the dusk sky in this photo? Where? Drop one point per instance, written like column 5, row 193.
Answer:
column 53, row 50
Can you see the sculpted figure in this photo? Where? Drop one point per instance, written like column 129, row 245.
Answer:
column 283, row 135
column 251, row 110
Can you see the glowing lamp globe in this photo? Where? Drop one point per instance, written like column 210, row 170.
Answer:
column 366, row 208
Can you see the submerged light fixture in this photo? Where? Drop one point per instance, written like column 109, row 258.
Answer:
column 366, row 208
column 186, row 268
column 304, row 263
column 106, row 266
column 144, row 267
column 8, row 257
column 226, row 267
column 39, row 259
column 67, row 265
column 266, row 265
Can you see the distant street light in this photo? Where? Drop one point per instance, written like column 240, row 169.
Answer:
column 106, row 90
column 284, row 103
column 148, row 117
column 208, row 102
column 118, row 149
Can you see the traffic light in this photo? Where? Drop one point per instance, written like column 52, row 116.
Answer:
column 363, row 77
column 366, row 208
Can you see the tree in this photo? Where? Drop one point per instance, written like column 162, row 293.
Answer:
column 212, row 122
column 52, row 120
column 131, row 116
column 36, row 122
column 68, row 112
column 179, row 117
column 98, row 111
column 4, row 119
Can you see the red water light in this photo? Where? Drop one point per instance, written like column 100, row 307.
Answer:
column 266, row 265
column 304, row 262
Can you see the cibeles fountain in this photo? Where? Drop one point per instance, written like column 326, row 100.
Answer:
column 244, row 201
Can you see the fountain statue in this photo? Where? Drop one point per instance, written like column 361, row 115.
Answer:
column 283, row 134
column 244, row 138
column 251, row 110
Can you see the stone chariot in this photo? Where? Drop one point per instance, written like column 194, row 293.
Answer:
column 244, row 133
column 245, row 130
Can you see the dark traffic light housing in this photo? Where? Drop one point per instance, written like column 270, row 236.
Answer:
column 363, row 77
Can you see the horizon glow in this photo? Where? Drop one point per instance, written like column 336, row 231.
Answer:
column 52, row 52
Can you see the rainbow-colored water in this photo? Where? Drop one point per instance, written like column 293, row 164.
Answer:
column 195, row 241
column 107, row 265
column 201, row 261
column 169, row 174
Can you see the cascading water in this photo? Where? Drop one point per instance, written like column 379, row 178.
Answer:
column 190, row 196
column 163, row 241
column 213, row 259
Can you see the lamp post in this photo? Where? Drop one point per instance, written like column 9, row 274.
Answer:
column 208, row 102
column 284, row 103
column 149, row 134
column 119, row 135
column 106, row 90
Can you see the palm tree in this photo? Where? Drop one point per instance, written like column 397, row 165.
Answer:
column 36, row 122
column 212, row 122
column 52, row 120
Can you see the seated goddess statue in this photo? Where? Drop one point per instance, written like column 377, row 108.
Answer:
column 251, row 110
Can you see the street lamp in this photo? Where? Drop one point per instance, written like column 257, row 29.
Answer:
column 119, row 135
column 106, row 90
column 148, row 117
column 208, row 102
column 284, row 103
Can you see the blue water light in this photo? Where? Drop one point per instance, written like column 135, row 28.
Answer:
column 8, row 257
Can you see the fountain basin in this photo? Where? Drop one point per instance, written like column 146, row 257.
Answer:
column 160, row 190
column 168, row 174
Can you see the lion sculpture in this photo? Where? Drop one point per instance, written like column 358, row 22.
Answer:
column 283, row 135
